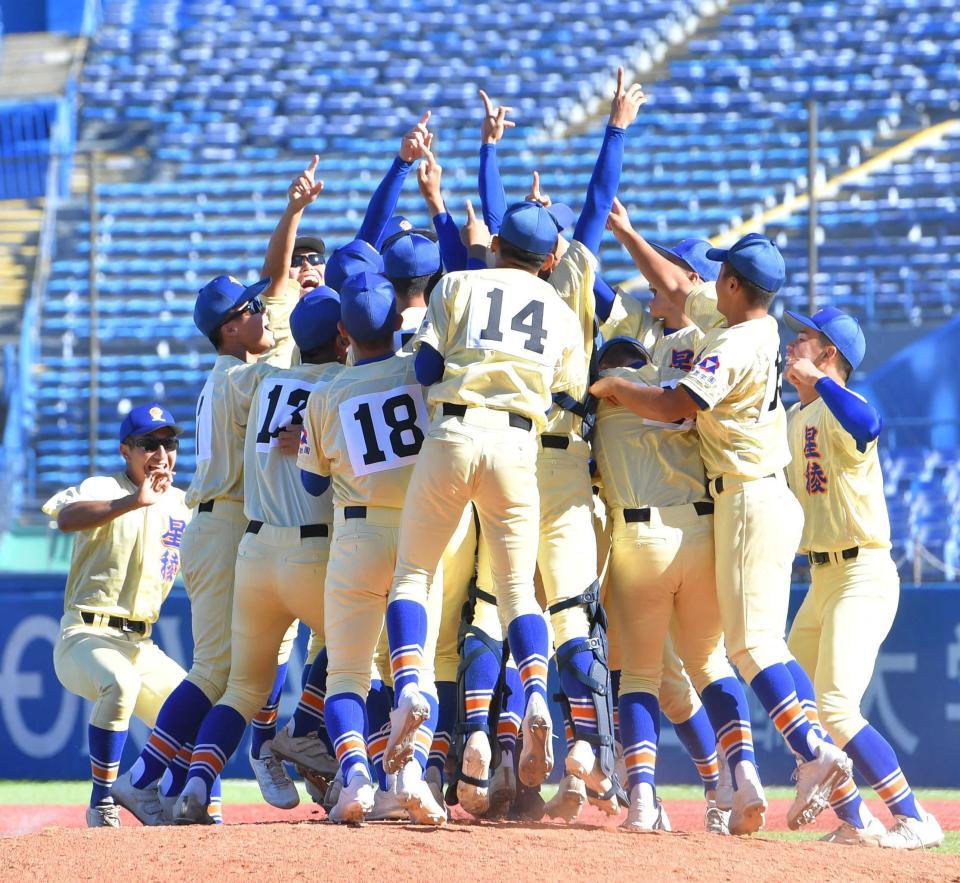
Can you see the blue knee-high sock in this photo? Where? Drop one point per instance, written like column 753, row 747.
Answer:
column 175, row 776
column 406, row 633
column 309, row 716
column 640, row 725
column 177, row 723
column 264, row 723
column 479, row 683
column 106, row 747
column 512, row 712
column 424, row 737
column 530, row 647
column 446, row 721
column 219, row 737
column 877, row 762
column 378, row 704
column 346, row 716
column 698, row 737
column 729, row 714
column 583, row 711
column 215, row 803
column 615, row 694
column 777, row 692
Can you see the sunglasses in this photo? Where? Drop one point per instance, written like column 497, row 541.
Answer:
column 253, row 307
column 314, row 259
column 151, row 443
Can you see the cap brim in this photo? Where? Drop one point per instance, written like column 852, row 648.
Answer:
column 796, row 322
column 623, row 340
column 562, row 214
column 147, row 430
column 717, row 254
column 251, row 291
column 670, row 253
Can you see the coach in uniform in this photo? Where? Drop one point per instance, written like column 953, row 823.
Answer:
column 125, row 558
column 855, row 588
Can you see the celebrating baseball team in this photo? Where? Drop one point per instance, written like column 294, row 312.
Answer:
column 458, row 453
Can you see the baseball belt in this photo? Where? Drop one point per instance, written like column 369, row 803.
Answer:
column 517, row 421
column 114, row 622
column 817, row 558
column 306, row 530
column 702, row 507
column 560, row 442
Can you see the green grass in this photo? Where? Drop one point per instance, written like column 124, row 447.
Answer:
column 951, row 841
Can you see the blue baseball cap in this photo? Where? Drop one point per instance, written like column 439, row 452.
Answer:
column 411, row 255
column 693, row 253
column 840, row 328
column 396, row 224
column 531, row 227
column 756, row 258
column 622, row 340
column 368, row 306
column 220, row 297
column 313, row 321
column 147, row 418
column 562, row 214
column 350, row 259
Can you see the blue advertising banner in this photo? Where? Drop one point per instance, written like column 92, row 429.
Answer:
column 914, row 698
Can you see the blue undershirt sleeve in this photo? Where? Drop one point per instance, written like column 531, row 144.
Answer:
column 314, row 485
column 604, row 183
column 453, row 252
column 493, row 201
column 603, row 296
column 383, row 203
column 856, row 416
column 428, row 365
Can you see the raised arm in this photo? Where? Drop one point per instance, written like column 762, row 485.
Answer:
column 493, row 200
column 383, row 203
column 453, row 253
column 605, row 180
column 303, row 191
column 90, row 514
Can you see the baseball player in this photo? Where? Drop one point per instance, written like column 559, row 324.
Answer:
column 126, row 555
column 364, row 430
column 281, row 562
column 492, row 347
column 411, row 261
column 233, row 318
column 733, row 391
column 854, row 589
column 661, row 566
column 568, row 571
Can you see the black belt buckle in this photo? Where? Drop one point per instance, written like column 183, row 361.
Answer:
column 314, row 530
column 850, row 554
column 117, row 622
column 452, row 410
column 254, row 527
column 518, row 421
column 703, row 507
column 560, row 442
column 206, row 506
column 818, row 558
column 632, row 516
column 356, row 511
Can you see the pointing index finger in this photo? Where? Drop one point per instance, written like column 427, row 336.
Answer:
column 313, row 164
column 487, row 105
column 620, row 80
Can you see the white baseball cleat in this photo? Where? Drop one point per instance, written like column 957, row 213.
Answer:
column 910, row 833
column 103, row 815
column 386, row 805
column 569, row 800
column 475, row 799
column 434, row 778
column 645, row 813
column 503, row 787
column 716, row 820
column 724, row 792
column 869, row 835
column 748, row 813
column 416, row 797
column 332, row 793
column 167, row 805
column 536, row 756
column 143, row 803
column 817, row 779
column 191, row 806
column 411, row 711
column 355, row 799
column 307, row 752
column 276, row 786
column 584, row 764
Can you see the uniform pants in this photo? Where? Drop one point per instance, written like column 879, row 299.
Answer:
column 279, row 578
column 838, row 630
column 459, row 566
column 478, row 457
column 122, row 673
column 756, row 526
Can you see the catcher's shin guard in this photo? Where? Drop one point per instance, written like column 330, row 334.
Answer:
column 596, row 680
column 499, row 650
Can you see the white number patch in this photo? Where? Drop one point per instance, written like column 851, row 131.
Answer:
column 280, row 403
column 384, row 430
column 204, row 422
column 510, row 322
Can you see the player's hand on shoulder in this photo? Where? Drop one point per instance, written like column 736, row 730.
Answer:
column 495, row 122
column 288, row 440
column 418, row 139
column 618, row 221
column 626, row 103
column 475, row 230
column 536, row 194
column 305, row 189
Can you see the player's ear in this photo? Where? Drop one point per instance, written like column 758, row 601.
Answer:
column 549, row 262
column 495, row 244
column 398, row 322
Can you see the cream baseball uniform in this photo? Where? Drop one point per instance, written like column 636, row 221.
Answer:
column 854, row 592
column 507, row 341
column 216, row 492
column 662, row 554
column 757, row 521
column 124, row 570
column 365, row 429
column 282, row 558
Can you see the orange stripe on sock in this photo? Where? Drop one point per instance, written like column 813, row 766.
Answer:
column 377, row 745
column 708, row 770
column 737, row 736
column 351, row 744
column 107, row 774
column 265, row 718
column 892, row 788
column 844, row 790
column 208, row 758
column 640, row 757
column 162, row 746
column 533, row 669
column 311, row 700
column 788, row 716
